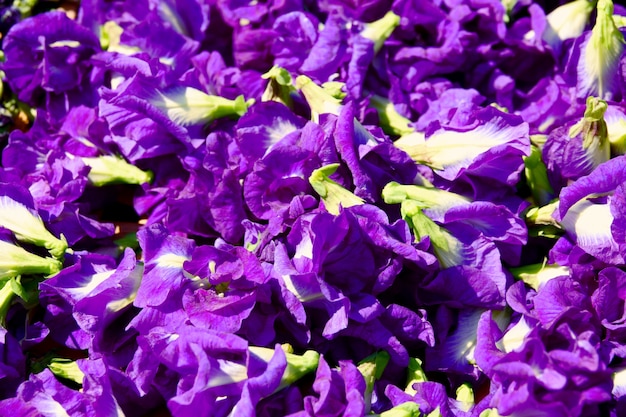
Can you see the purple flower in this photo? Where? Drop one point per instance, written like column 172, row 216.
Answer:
column 373, row 161
column 48, row 55
column 265, row 125
column 296, row 33
column 144, row 120
column 333, row 278
column 595, row 60
column 576, row 148
column 12, row 366
column 557, row 366
column 593, row 223
column 453, row 108
column 337, row 392
column 488, row 151
column 43, row 394
column 278, row 178
column 98, row 388
column 231, row 289
column 164, row 255
column 608, row 303
column 95, row 291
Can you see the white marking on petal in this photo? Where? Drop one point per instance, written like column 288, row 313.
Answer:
column 94, row 281
column 302, row 296
column 279, row 130
column 171, row 260
column 592, row 225
column 68, row 43
column 48, row 406
column 619, row 383
column 514, row 338
column 450, row 151
column 304, row 249
column 169, row 15
column 229, row 373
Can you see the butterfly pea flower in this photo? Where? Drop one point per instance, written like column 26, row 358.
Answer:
column 188, row 105
column 263, row 126
column 608, row 302
column 365, row 45
column 335, row 390
column 296, row 33
column 278, row 179
column 557, row 371
column 373, row 160
column 215, row 372
column 212, row 179
column 139, row 129
column 314, row 281
column 55, row 182
column 209, row 73
column 279, row 86
column 590, row 210
column 475, row 153
column 43, row 394
column 98, row 386
column 234, row 286
column 147, row 121
column 266, row 384
column 330, row 50
column 96, row 291
column 134, row 34
column 48, row 55
column 464, row 255
column 496, row 222
column 319, row 100
column 567, row 21
column 575, row 149
column 431, row 399
column 597, row 55
column 164, row 275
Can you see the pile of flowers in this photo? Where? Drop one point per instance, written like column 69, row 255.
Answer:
column 313, row 208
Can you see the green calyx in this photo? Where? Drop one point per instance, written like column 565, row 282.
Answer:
column 109, row 169
column 279, row 86
column 333, row 194
column 297, row 365
column 372, row 369
column 380, row 30
column 188, row 106
column 537, row 177
column 15, row 260
column 392, row 122
column 320, row 100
